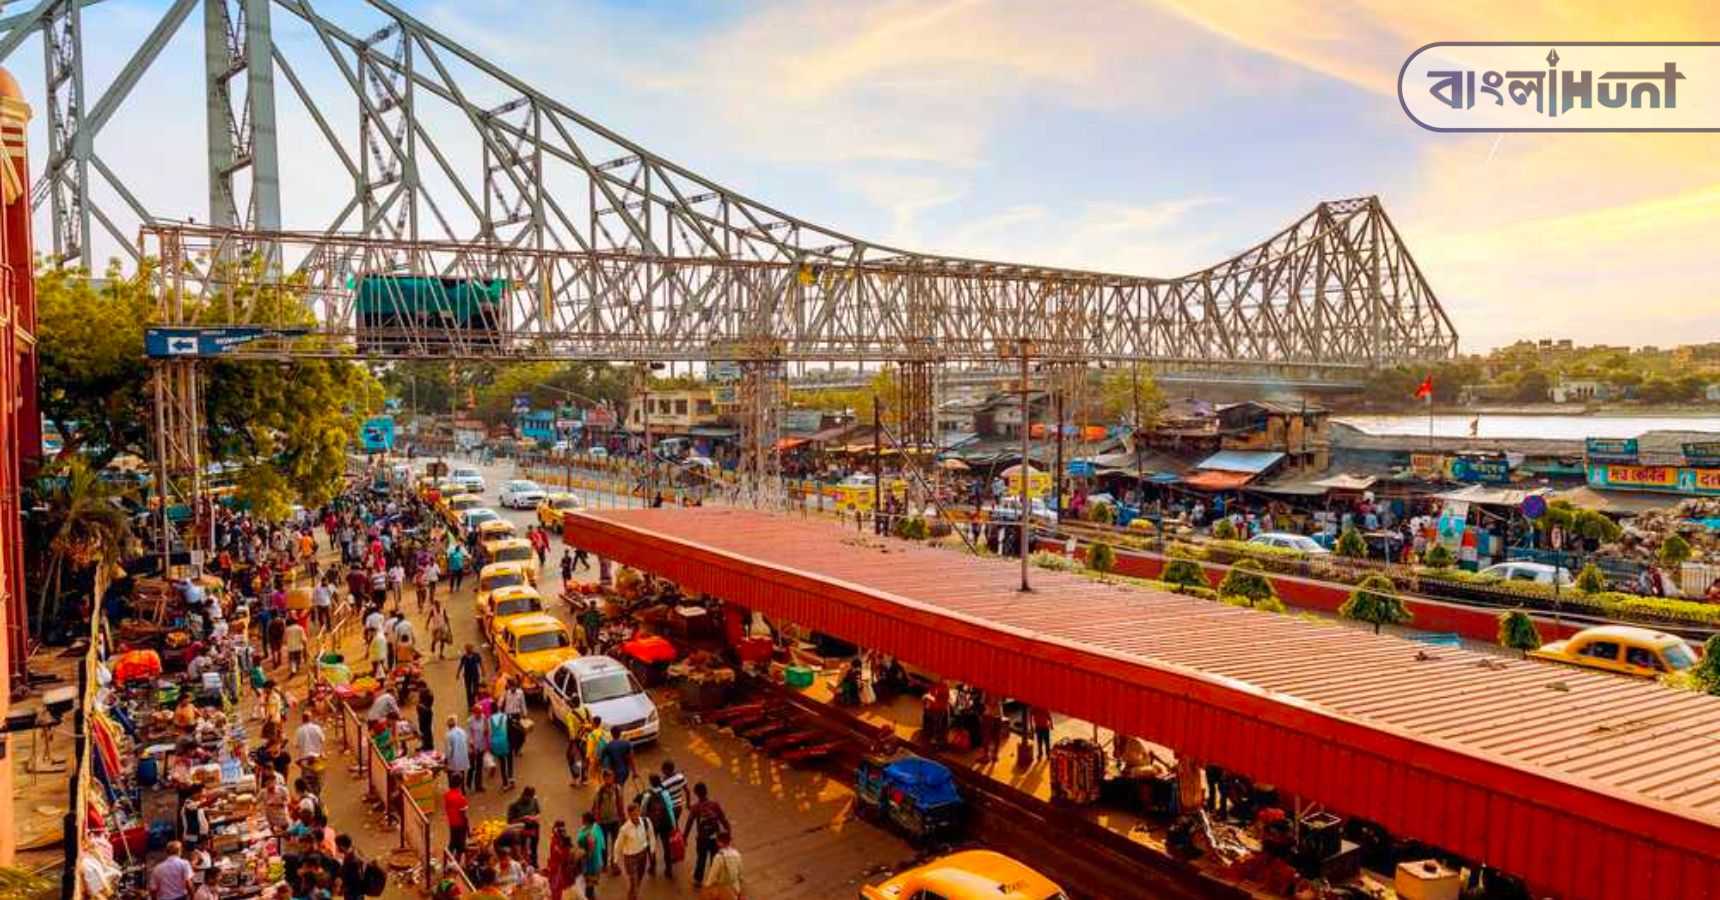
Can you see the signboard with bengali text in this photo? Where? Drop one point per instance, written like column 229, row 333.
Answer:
column 1611, row 449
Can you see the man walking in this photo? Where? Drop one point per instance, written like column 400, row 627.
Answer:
column 723, row 881
column 705, row 822
column 454, row 804
column 471, row 669
column 457, row 751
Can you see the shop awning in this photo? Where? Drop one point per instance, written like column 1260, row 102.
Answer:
column 1347, row 482
column 1620, row 503
column 1290, row 487
column 1487, row 496
column 1214, row 480
column 709, row 432
column 1251, row 461
column 789, row 443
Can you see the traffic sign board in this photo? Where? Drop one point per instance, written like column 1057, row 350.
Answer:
column 181, row 341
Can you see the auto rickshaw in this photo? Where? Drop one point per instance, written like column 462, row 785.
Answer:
column 916, row 794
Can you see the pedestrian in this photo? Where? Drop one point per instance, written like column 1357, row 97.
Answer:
column 456, row 751
column 659, row 808
column 705, row 822
column 559, row 865
column 501, row 748
column 456, row 566
column 1042, row 732
column 566, row 565
column 723, row 881
column 173, row 877
column 608, row 807
column 351, row 869
column 276, row 800
column 634, row 844
column 618, row 756
column 581, row 560
column 575, row 750
column 294, row 638
column 471, row 671
column 432, row 574
column 441, row 630
column 378, row 653
column 426, row 715
column 592, row 845
column 478, row 730
column 275, row 637
column 322, row 605
column 525, row 810
column 676, row 784
column 454, row 805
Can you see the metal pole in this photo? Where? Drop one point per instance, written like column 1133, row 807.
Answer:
column 1135, row 398
column 1057, row 468
column 877, row 465
column 1023, row 470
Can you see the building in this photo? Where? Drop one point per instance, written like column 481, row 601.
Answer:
column 999, row 415
column 957, row 416
column 1581, row 390
column 673, row 411
column 536, row 425
column 1712, row 394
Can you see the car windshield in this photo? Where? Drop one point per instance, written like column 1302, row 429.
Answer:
column 516, row 605
column 523, row 486
column 465, row 501
column 479, row 518
column 599, row 688
column 542, row 640
column 1678, row 657
column 513, row 554
column 566, row 503
column 506, row 579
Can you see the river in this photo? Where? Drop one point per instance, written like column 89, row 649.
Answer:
column 1565, row 427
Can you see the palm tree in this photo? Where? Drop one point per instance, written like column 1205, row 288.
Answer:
column 85, row 523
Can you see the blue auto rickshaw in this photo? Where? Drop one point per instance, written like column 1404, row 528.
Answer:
column 916, row 794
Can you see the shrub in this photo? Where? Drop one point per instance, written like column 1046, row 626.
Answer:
column 1265, row 604
column 1674, row 551
column 1376, row 602
column 1595, row 526
column 1707, row 670
column 1351, row 545
column 1438, row 557
column 1101, row 558
column 1245, row 580
column 1184, row 573
column 1142, row 523
column 1590, row 580
column 1223, row 530
column 1518, row 632
column 1056, row 562
column 1099, row 512
column 912, row 528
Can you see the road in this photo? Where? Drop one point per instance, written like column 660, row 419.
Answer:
column 795, row 828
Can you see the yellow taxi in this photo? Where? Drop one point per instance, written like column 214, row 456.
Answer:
column 968, row 875
column 496, row 576
column 530, row 647
column 1624, row 649
column 503, row 605
column 509, row 549
column 454, row 508
column 550, row 510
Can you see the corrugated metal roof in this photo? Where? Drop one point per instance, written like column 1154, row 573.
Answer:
column 1214, row 480
column 1504, row 761
column 1252, row 461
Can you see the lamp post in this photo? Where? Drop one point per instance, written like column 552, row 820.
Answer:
column 1022, row 348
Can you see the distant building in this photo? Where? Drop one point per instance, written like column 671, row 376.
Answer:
column 537, row 425
column 672, row 412
column 1000, row 414
column 958, row 416
column 1298, row 430
column 1712, row 394
column 1582, row 390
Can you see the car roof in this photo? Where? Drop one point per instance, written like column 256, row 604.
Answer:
column 560, row 495
column 1279, row 534
column 980, row 872
column 1633, row 633
column 532, row 623
column 494, row 523
column 501, row 568
column 514, row 592
column 593, row 665
column 516, row 481
column 507, row 543
column 482, row 509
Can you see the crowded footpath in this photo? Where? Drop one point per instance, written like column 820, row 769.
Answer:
column 220, row 717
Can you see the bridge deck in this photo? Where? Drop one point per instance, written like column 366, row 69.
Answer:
column 1586, row 784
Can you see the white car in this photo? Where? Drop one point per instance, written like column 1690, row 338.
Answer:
column 1301, row 543
column 1008, row 509
column 521, row 494
column 468, row 477
column 600, row 686
column 1523, row 570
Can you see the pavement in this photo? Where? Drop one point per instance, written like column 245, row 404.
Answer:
column 796, row 829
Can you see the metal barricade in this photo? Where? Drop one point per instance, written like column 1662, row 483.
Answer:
column 414, row 830
column 451, row 868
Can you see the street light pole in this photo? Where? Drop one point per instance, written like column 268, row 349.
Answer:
column 1025, row 346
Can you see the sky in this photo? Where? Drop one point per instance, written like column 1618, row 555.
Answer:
column 1150, row 137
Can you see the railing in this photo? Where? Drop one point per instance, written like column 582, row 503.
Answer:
column 414, row 829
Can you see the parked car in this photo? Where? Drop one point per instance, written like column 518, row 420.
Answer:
column 454, row 508
column 476, row 516
column 968, row 875
column 506, row 548
column 468, row 477
column 496, row 576
column 502, row 605
column 1008, row 509
column 1284, row 540
column 603, row 687
column 1625, row 649
column 531, row 647
column 1523, row 570
column 521, row 494
column 551, row 507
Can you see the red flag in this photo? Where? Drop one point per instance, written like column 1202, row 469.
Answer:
column 1425, row 391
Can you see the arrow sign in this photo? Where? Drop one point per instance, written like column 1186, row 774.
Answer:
column 159, row 343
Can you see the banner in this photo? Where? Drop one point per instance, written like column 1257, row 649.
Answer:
column 1702, row 453
column 1642, row 476
column 1452, row 520
column 1481, row 470
column 1428, row 465
column 1611, row 449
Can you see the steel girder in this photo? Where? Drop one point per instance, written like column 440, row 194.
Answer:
column 614, row 252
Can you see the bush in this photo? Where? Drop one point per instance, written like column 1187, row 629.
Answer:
column 1184, row 573
column 1674, row 551
column 1223, row 530
column 1518, row 632
column 1707, row 670
column 1245, row 580
column 1351, row 545
column 1268, row 604
column 1099, row 512
column 1056, row 562
column 1376, row 602
column 1438, row 557
column 1590, row 580
column 1100, row 557
column 1595, row 526
column 912, row 528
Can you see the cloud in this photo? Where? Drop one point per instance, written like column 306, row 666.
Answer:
column 1157, row 239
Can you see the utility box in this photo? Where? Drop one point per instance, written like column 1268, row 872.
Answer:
column 1427, row 880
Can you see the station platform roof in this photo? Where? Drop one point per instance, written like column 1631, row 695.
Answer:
column 1586, row 784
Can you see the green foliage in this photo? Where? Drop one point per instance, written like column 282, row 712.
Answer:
column 1055, row 562
column 1184, row 572
column 1707, row 670
column 93, row 378
column 1438, row 557
column 265, row 493
column 1518, row 632
column 1591, row 580
column 1595, row 526
column 1246, row 580
column 82, row 523
column 1264, row 604
column 1101, row 558
column 1674, row 551
column 552, row 384
column 1351, row 545
column 884, row 386
column 1099, row 512
column 1223, row 530
column 1376, row 602
column 1124, row 392
column 911, row 528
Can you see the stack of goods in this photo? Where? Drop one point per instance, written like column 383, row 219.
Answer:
column 417, row 773
column 703, row 679
column 1077, row 771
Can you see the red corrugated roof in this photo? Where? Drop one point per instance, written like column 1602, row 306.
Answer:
column 1536, row 769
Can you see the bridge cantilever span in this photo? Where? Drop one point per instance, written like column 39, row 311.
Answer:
column 609, row 250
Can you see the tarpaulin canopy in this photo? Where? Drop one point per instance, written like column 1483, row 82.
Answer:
column 1623, row 503
column 1213, row 480
column 1489, row 496
column 789, row 443
column 1251, row 461
column 1347, row 482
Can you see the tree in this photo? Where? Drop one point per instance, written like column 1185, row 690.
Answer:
column 1101, row 558
column 1376, row 602
column 1245, row 579
column 1099, row 512
column 1706, row 673
column 1674, row 551
column 1531, row 386
column 1223, row 530
column 1131, row 396
column 1595, row 526
column 1591, row 580
column 1437, row 557
column 93, row 379
column 84, row 522
column 1351, row 545
column 1184, row 572
column 1518, row 632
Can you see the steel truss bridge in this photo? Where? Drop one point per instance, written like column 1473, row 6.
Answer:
column 448, row 166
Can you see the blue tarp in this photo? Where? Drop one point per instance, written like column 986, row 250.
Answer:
column 1251, row 461
column 927, row 782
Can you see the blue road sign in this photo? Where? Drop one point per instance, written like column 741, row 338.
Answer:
column 171, row 342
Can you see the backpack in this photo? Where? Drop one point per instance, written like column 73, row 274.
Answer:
column 375, row 879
